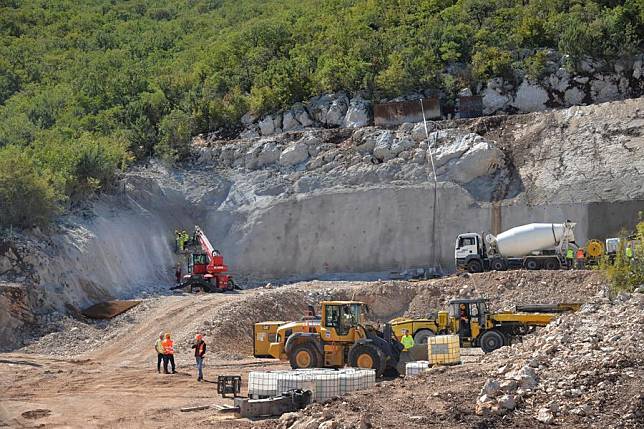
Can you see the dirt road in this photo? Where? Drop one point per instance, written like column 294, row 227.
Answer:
column 116, row 385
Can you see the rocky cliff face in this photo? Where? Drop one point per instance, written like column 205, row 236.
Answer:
column 317, row 201
column 560, row 85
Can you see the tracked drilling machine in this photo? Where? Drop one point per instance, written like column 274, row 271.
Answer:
column 206, row 268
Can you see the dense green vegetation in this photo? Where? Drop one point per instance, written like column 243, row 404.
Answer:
column 627, row 273
column 86, row 87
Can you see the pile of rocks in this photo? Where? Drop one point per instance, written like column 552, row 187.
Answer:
column 369, row 155
column 584, row 368
column 327, row 110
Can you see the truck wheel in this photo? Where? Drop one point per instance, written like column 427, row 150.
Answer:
column 367, row 356
column 304, row 356
column 230, row 286
column 491, row 340
column 474, row 266
column 497, row 264
column 531, row 264
column 552, row 264
column 420, row 337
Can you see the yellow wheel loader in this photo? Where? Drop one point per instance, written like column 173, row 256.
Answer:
column 471, row 320
column 340, row 337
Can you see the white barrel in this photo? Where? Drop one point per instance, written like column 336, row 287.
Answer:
column 522, row 240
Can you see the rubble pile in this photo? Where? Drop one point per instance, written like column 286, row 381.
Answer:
column 584, row 369
column 505, row 289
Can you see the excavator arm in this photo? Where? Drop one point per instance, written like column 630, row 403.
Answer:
column 215, row 259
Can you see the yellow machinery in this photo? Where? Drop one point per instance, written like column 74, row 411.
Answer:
column 264, row 334
column 476, row 326
column 341, row 337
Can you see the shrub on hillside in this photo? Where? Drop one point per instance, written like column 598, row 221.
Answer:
column 624, row 273
column 27, row 197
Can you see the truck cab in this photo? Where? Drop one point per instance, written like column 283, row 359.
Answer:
column 468, row 252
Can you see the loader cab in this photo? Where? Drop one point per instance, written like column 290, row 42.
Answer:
column 339, row 320
column 470, row 317
column 198, row 263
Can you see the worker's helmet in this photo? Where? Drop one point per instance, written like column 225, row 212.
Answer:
column 198, row 337
column 161, row 334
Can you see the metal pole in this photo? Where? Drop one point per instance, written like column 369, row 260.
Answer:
column 431, row 158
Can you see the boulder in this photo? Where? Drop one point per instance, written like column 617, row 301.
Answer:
column 269, row 154
column 277, row 123
column 530, row 97
column 337, row 111
column 401, row 144
column 637, row 69
column 493, row 101
column 248, row 118
column 251, row 132
column 491, row 388
column 267, row 126
column 301, row 115
column 294, row 154
column 382, row 146
column 289, row 122
column 507, row 402
column 465, row 92
column 574, row 96
column 603, row 88
column 544, row 415
column 358, row 113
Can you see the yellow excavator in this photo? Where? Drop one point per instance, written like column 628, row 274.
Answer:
column 341, row 336
column 477, row 326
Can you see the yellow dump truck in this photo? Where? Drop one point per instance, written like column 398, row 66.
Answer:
column 477, row 327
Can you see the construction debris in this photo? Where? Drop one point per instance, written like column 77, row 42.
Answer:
column 108, row 309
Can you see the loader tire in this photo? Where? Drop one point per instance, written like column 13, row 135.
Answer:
column 367, row 356
column 491, row 340
column 420, row 337
column 304, row 356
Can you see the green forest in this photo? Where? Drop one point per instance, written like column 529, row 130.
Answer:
column 88, row 88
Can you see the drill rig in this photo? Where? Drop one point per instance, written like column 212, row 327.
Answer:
column 206, row 269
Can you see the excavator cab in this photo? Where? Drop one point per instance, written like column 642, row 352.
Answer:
column 198, row 263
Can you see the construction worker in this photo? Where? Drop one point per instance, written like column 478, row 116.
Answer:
column 184, row 239
column 160, row 351
column 580, row 259
column 200, row 351
column 464, row 322
column 570, row 256
column 177, row 273
column 407, row 340
column 629, row 251
column 168, row 353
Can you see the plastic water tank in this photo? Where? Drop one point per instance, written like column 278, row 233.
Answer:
column 522, row 240
column 414, row 368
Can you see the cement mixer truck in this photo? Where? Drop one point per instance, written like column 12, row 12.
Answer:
column 534, row 246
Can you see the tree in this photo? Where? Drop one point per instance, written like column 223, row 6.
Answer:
column 175, row 130
column 27, row 198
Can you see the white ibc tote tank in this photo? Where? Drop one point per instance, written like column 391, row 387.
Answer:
column 522, row 240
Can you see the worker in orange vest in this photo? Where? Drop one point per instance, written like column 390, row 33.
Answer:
column 580, row 259
column 168, row 353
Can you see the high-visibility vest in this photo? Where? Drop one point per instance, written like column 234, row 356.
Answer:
column 407, row 341
column 580, row 254
column 569, row 254
column 168, row 346
column 629, row 252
